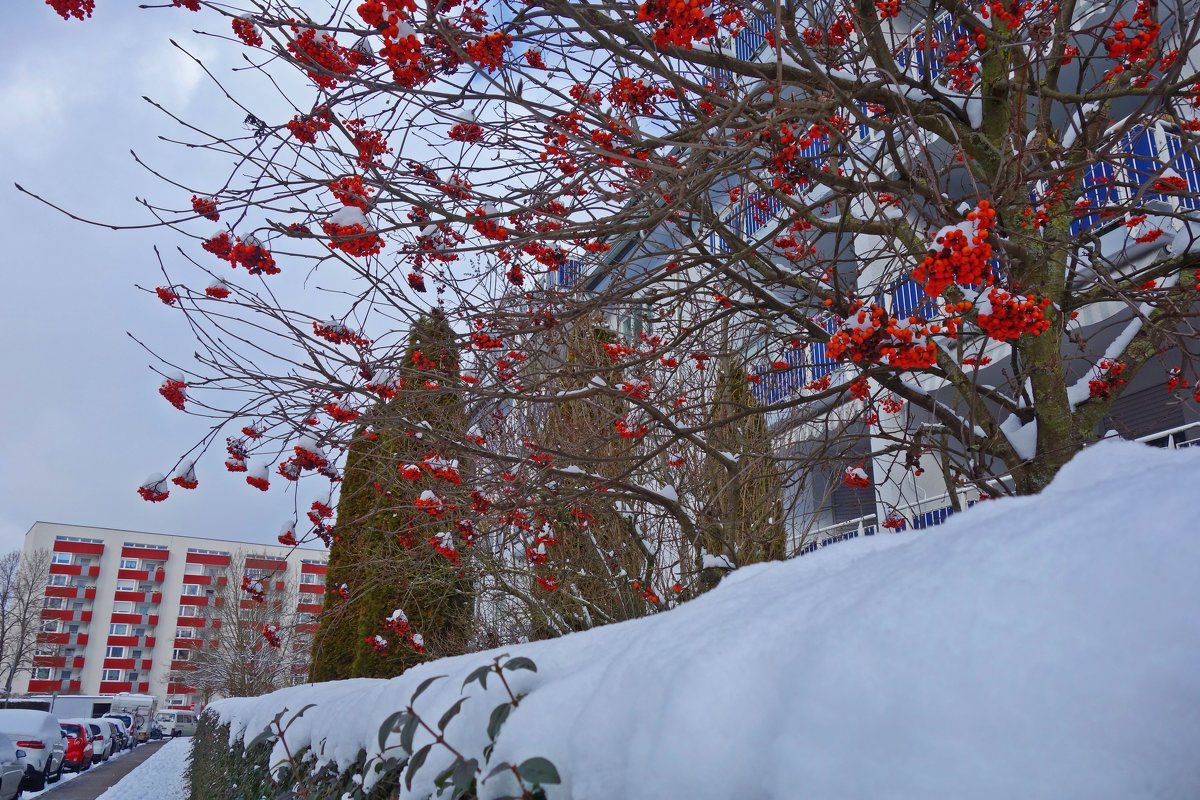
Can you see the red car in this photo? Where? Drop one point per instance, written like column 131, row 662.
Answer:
column 78, row 742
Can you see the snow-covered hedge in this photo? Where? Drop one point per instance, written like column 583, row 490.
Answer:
column 1035, row 647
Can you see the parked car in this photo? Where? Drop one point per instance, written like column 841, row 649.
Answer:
column 38, row 734
column 78, row 741
column 125, row 719
column 12, row 769
column 119, row 734
column 177, row 722
column 155, row 730
column 104, row 744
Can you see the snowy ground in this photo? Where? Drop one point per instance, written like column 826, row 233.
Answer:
column 159, row 777
column 1037, row 647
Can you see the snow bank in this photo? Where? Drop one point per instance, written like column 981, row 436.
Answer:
column 1040, row 647
column 162, row 776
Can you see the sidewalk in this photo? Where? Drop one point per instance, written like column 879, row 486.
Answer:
column 96, row 780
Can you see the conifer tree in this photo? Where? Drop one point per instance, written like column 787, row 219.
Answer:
column 399, row 591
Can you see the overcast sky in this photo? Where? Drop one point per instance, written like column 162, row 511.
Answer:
column 81, row 421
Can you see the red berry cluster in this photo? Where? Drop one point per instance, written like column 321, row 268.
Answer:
column 247, row 252
column 305, row 127
column 339, row 333
column 79, row 9
column 856, row 477
column 959, row 259
column 245, row 30
column 353, row 240
column 206, row 207
column 1012, row 315
column 166, row 295
column 175, row 391
column 255, row 588
column 466, row 132
column 679, row 22
column 271, row 634
column 628, row 431
column 1108, row 381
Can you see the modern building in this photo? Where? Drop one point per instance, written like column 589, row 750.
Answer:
column 123, row 608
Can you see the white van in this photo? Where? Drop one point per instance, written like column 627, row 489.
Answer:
column 177, row 722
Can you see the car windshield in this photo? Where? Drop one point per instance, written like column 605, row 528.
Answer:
column 71, row 730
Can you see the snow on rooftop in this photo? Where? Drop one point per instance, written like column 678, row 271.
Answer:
column 1035, row 647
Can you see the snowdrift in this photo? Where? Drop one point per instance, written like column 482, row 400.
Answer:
column 1040, row 647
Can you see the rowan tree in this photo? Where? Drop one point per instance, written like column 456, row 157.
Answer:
column 940, row 240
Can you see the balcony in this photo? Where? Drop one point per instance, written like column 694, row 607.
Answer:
column 80, row 639
column 57, row 613
column 50, row 661
column 66, row 569
column 44, row 687
column 133, row 575
column 61, row 637
column 82, row 615
column 93, row 571
column 192, row 600
column 83, row 548
column 75, row 686
column 77, row 662
column 115, row 687
column 66, row 592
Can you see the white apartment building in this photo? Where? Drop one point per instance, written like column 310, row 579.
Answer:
column 123, row 607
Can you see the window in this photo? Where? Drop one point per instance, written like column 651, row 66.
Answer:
column 129, row 563
column 60, row 558
column 123, row 607
column 178, row 700
column 181, row 654
column 126, row 586
column 304, row 617
column 110, row 675
column 311, row 577
column 65, row 675
column 54, row 602
column 193, row 569
column 74, row 629
column 185, row 633
column 191, row 589
column 41, row 674
column 114, row 652
column 58, row 580
column 118, row 629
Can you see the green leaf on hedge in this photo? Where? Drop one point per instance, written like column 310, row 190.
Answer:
column 451, row 713
column 496, row 770
column 521, row 662
column 408, row 732
column 479, row 675
column 499, row 715
column 538, row 770
column 390, row 725
column 415, row 764
column 425, row 684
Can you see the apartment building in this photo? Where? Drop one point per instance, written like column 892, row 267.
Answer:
column 123, row 608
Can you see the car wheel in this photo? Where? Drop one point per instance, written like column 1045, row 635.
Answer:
column 39, row 782
column 57, row 775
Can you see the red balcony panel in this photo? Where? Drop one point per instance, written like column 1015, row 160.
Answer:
column 188, row 642
column 190, row 622
column 208, row 558
column 143, row 687
column 89, row 593
column 132, row 619
column 119, row 663
column 115, row 687
column 146, row 664
column 306, row 627
column 309, row 608
column 49, row 661
column 37, row 687
column 84, row 616
column 77, row 662
column 179, row 688
column 148, row 553
column 130, row 597
column 222, row 580
column 193, row 600
column 316, row 569
column 150, row 641
column 152, row 619
column 216, row 624
column 156, row 597
column 57, row 613
column 86, row 548
column 75, row 686
column 122, row 641
column 62, row 591
column 133, row 575
column 312, row 588
column 93, row 571
column 268, row 564
column 81, row 638
column 182, row 666
column 203, row 580
column 66, row 569
column 159, row 575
